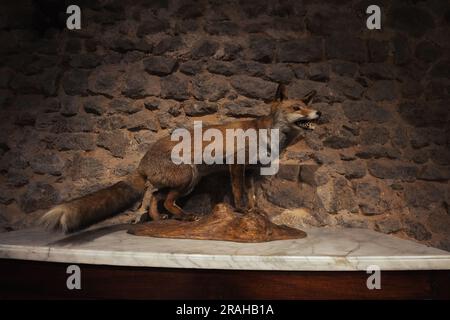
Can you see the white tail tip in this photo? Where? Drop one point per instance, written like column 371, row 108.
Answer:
column 57, row 218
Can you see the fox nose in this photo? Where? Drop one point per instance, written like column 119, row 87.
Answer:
column 319, row 113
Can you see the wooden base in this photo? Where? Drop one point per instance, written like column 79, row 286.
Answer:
column 45, row 280
column 222, row 224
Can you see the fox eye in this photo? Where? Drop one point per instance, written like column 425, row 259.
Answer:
column 296, row 107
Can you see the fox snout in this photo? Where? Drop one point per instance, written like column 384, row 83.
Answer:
column 314, row 115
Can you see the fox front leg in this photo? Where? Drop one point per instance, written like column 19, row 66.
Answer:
column 237, row 174
column 250, row 192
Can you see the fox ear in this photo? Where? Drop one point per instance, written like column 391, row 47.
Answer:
column 308, row 97
column 280, row 95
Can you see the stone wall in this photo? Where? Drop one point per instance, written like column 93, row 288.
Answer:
column 79, row 108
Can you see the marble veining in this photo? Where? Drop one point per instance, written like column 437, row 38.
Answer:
column 325, row 249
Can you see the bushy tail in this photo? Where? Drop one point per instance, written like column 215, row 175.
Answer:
column 82, row 212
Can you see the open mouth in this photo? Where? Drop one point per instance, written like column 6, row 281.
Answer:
column 306, row 124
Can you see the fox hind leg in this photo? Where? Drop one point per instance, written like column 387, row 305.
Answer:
column 250, row 192
column 179, row 180
column 149, row 206
column 237, row 175
column 174, row 209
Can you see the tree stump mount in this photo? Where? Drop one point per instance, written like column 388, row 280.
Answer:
column 223, row 224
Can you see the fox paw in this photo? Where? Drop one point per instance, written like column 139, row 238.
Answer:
column 188, row 217
column 141, row 216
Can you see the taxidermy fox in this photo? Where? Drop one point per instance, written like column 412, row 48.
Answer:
column 157, row 172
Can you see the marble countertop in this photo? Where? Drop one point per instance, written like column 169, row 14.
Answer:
column 325, row 249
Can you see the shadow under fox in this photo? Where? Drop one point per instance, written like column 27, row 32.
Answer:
column 157, row 172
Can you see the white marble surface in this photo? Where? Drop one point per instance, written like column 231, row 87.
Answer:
column 324, row 249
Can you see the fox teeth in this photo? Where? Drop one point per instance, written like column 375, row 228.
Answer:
column 309, row 125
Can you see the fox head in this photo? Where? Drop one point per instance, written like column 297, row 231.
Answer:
column 295, row 112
